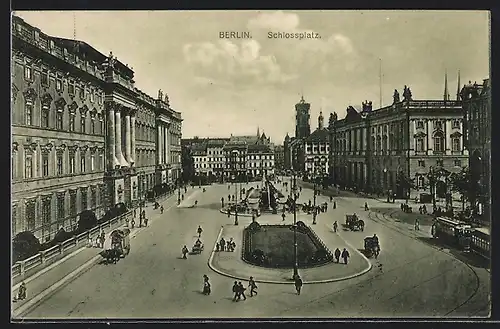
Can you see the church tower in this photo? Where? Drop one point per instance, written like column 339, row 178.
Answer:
column 302, row 119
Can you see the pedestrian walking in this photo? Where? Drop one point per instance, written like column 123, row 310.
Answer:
column 103, row 239
column 283, row 216
column 222, row 202
column 345, row 255
column 21, row 294
column 337, row 255
column 334, row 204
column 229, row 197
column 242, row 291
column 182, row 197
column 335, row 226
column 145, row 221
column 222, row 244
column 253, row 286
column 200, row 230
column 236, row 291
column 417, row 225
column 298, row 284
column 185, row 251
column 217, row 246
column 206, row 285
column 161, row 210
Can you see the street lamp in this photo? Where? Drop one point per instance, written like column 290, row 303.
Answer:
column 179, row 192
column 385, row 185
column 296, row 261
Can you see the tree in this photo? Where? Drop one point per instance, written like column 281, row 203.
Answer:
column 405, row 184
column 464, row 183
column 187, row 162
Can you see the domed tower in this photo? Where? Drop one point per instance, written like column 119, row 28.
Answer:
column 302, row 119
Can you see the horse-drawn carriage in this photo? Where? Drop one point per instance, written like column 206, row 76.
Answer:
column 197, row 247
column 372, row 246
column 354, row 223
column 117, row 246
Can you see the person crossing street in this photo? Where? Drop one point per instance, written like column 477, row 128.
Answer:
column 345, row 255
column 200, row 230
column 253, row 286
column 298, row 284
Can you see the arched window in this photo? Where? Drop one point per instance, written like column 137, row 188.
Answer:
column 419, row 147
column 438, row 142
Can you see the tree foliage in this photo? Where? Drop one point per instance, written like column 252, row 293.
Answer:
column 187, row 162
column 464, row 183
column 405, row 182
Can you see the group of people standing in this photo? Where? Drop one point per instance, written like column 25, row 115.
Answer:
column 224, row 245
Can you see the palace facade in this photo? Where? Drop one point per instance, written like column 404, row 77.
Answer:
column 372, row 150
column 83, row 136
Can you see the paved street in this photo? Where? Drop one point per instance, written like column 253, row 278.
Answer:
column 410, row 278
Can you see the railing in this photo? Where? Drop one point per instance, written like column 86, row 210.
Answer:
column 23, row 266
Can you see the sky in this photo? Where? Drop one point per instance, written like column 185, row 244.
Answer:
column 234, row 86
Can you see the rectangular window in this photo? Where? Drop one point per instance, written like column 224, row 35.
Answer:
column 458, row 163
column 45, row 118
column 92, row 162
column 28, row 73
column 92, row 126
column 30, row 215
column 101, row 161
column 93, row 198
column 421, row 163
column 82, row 93
column 420, row 145
column 46, row 211
column 456, row 144
column 84, row 199
column 28, row 166
column 456, row 123
column 72, row 204
column 92, row 96
column 71, row 87
column 28, row 114
column 60, row 207
column 59, row 120
column 72, row 165
column 82, row 163
column 82, row 124
column 58, row 84
column 44, row 78
column 59, row 164
column 71, row 122
column 45, row 165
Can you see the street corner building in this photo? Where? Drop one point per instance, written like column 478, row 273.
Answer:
column 83, row 136
column 234, row 158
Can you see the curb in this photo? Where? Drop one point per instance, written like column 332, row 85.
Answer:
column 213, row 268
column 232, row 214
column 38, row 299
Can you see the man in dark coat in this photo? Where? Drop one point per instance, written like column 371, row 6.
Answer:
column 253, row 286
column 241, row 291
column 298, row 284
column 345, row 255
column 337, row 255
column 236, row 291
column 222, row 244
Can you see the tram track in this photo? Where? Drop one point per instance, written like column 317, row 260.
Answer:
column 392, row 227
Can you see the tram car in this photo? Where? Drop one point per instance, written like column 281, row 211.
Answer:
column 480, row 242
column 452, row 231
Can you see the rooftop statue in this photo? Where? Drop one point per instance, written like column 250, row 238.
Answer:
column 396, row 97
column 407, row 94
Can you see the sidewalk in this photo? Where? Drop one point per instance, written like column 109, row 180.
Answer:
column 39, row 283
column 232, row 265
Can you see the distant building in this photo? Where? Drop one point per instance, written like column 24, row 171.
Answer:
column 234, row 158
column 476, row 100
column 279, row 157
column 371, row 150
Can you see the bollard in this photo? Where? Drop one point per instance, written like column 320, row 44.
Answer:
column 42, row 256
column 21, row 263
column 60, row 247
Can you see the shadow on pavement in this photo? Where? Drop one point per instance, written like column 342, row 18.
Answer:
column 470, row 258
column 408, row 218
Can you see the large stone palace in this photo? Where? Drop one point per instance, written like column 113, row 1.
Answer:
column 83, row 136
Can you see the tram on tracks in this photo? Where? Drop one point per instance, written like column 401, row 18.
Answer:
column 462, row 235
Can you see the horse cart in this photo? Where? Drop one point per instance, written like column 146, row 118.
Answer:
column 372, row 247
column 354, row 223
column 118, row 246
column 197, row 248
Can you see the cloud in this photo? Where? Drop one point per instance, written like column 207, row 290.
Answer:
column 277, row 20
column 230, row 62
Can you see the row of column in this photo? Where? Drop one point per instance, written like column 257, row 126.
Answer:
column 121, row 147
column 163, row 144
